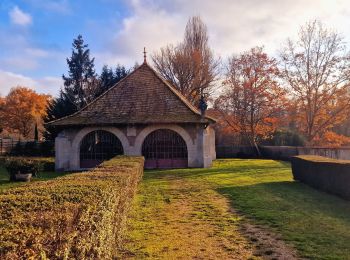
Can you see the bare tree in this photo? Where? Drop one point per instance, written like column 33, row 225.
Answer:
column 190, row 66
column 316, row 69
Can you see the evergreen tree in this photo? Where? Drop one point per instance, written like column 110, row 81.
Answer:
column 58, row 108
column 36, row 132
column 106, row 79
column 120, row 72
column 80, row 84
column 109, row 78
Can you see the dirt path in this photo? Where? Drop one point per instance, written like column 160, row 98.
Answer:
column 176, row 218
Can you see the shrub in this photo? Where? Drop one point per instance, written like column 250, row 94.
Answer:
column 78, row 216
column 47, row 148
column 323, row 173
column 279, row 152
column 31, row 149
column 21, row 165
column 285, row 137
column 18, row 149
column 45, row 164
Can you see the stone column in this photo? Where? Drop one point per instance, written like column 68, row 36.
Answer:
column 62, row 152
column 204, row 156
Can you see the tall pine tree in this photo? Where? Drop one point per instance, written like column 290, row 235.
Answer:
column 81, row 83
column 79, row 86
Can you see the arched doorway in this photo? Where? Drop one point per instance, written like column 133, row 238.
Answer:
column 164, row 148
column 98, row 146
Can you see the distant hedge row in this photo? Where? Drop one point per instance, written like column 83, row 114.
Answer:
column 33, row 148
column 78, row 216
column 325, row 174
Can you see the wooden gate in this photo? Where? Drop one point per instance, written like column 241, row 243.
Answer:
column 98, row 146
column 164, row 148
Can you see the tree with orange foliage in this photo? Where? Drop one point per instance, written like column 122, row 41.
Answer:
column 332, row 139
column 316, row 68
column 253, row 101
column 21, row 109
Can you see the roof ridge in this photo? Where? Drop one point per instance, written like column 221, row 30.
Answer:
column 173, row 90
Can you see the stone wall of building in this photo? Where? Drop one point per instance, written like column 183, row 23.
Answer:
column 200, row 143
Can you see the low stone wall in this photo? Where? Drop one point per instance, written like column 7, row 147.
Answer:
column 286, row 152
column 322, row 173
column 335, row 153
column 281, row 152
column 235, row 152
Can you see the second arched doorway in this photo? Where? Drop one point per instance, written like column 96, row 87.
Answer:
column 98, row 146
column 164, row 148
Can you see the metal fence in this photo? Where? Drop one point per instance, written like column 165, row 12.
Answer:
column 26, row 148
column 235, row 152
column 6, row 145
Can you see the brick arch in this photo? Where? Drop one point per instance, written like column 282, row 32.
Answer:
column 75, row 151
column 179, row 130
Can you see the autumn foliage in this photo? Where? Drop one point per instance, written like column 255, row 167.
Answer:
column 316, row 71
column 21, row 109
column 304, row 91
column 253, row 101
column 308, row 91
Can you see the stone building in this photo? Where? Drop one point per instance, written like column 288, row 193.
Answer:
column 141, row 115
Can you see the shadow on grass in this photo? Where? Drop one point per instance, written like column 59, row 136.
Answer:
column 317, row 223
column 292, row 193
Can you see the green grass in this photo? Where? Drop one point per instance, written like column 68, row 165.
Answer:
column 315, row 223
column 42, row 176
column 174, row 217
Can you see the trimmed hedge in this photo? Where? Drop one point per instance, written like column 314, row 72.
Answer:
column 79, row 216
column 323, row 173
column 46, row 164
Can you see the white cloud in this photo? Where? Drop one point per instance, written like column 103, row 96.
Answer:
column 146, row 28
column 36, row 52
column 233, row 25
column 19, row 62
column 19, row 17
column 47, row 85
column 50, row 85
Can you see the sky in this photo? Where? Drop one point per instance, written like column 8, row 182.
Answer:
column 36, row 35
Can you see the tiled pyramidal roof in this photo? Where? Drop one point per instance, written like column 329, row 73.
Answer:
column 141, row 97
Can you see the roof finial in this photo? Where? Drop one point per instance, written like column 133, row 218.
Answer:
column 144, row 55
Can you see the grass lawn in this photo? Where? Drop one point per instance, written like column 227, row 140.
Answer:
column 175, row 209
column 42, row 176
